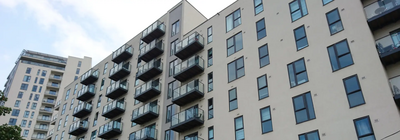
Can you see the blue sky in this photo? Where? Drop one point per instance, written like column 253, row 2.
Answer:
column 79, row 28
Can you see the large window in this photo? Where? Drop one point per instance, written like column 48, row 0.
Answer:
column 258, row 6
column 27, row 78
column 63, row 109
column 67, row 95
column 233, row 103
column 34, row 88
column 262, row 85
column 17, row 102
column 353, row 91
column 66, row 121
column 44, row 72
column 24, row 86
column 33, row 107
column 334, row 21
column 41, row 81
column 261, row 32
column 298, row 9
column 234, row 44
column 72, row 103
column 210, row 81
column 99, row 101
column 26, row 114
column 301, row 37
column 209, row 34
column 15, row 112
column 210, row 57
column 266, row 121
column 36, row 98
column 171, row 86
column 169, row 135
column 26, row 133
column 239, row 128
column 59, row 124
column 172, row 65
column 173, row 45
column 233, row 20
column 28, row 70
column 313, row 135
column 211, row 133
column 20, row 94
column 364, row 128
column 102, row 83
column 210, row 108
column 23, row 123
column 105, row 68
column 235, row 69
column 175, row 28
column 169, row 113
column 340, row 55
column 263, row 55
column 12, row 121
column 303, row 107
column 297, row 73
column 95, row 119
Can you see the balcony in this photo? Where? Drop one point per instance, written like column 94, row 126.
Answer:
column 395, row 84
column 188, row 119
column 148, row 90
column 46, row 110
column 51, row 93
column 57, row 107
column 43, row 119
column 110, row 130
column 149, row 70
column 154, row 31
column 55, row 77
column 48, row 102
column 54, row 119
column 78, row 128
column 43, row 128
column 151, row 51
column 120, row 71
column 189, row 68
column 146, row 134
column 188, row 93
column 145, row 113
column 38, row 137
column 389, row 51
column 82, row 110
column 53, row 86
column 117, row 89
column 89, row 77
column 122, row 54
column 114, row 109
column 86, row 93
column 189, row 46
column 382, row 13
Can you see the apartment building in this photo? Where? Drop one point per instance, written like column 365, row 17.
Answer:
column 32, row 89
column 258, row 69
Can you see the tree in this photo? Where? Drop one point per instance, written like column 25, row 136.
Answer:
column 8, row 132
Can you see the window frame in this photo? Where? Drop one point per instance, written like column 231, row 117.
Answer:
column 175, row 28
column 233, row 20
column 173, row 47
column 353, row 92
column 210, row 129
column 296, row 73
column 233, row 100
column 300, row 38
column 305, row 104
column 270, row 119
column 236, row 129
column 260, row 30
column 209, row 34
column 337, row 57
column 255, row 7
column 209, row 57
column 334, row 22
column 210, row 108
column 236, row 69
column 260, row 88
column 234, row 45
column 306, row 134
column 300, row 9
column 210, row 81
column 262, row 57
column 370, row 124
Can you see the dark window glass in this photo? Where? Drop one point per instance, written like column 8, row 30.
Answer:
column 303, row 108
column 233, row 104
column 210, row 81
column 353, row 91
column 24, row 86
column 211, row 133
column 210, row 57
column 233, row 20
column 262, row 87
column 12, row 121
column 27, row 78
column 258, row 6
column 261, row 32
column 169, row 113
column 334, row 21
column 169, row 135
column 234, row 44
column 175, row 28
column 172, row 65
column 236, row 69
column 298, row 9
column 309, row 136
column 266, row 121
column 297, row 73
column 28, row 70
column 210, row 108
column 20, row 95
column 171, row 86
column 41, row 81
column 209, row 34
column 173, row 45
column 326, row 1
column 15, row 112
column 301, row 38
column 34, row 88
column 239, row 128
column 364, row 129
column 44, row 72
column 264, row 55
column 340, row 55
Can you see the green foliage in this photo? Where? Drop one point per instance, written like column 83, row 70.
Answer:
column 8, row 132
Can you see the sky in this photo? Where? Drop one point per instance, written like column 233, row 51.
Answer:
column 92, row 28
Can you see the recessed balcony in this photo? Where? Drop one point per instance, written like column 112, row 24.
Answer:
column 51, row 93
column 146, row 134
column 45, row 119
column 145, row 113
column 114, row 109
column 188, row 93
column 54, row 77
column 43, row 128
column 188, row 119
column 82, row 110
column 110, row 130
column 89, row 77
column 46, row 110
column 48, row 102
column 120, row 71
column 154, row 31
column 395, row 84
column 148, row 91
column 189, row 46
column 117, row 89
column 78, row 128
column 149, row 70
column 189, row 68
column 86, row 93
column 53, row 85
column 122, row 54
column 389, row 49
column 382, row 13
column 151, row 50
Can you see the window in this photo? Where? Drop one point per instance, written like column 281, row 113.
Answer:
column 99, row 101
column 79, row 63
column 34, row 106
column 210, row 81
column 102, row 84
column 105, row 68
column 28, row 70
column 334, row 21
column 76, row 77
column 26, row 78
column 66, row 120
column 34, row 88
column 301, row 37
column 262, row 87
column 263, row 55
column 209, row 34
column 32, row 114
column 41, row 81
column 12, row 121
column 258, row 6
column 171, row 86
column 93, row 135
column 233, row 104
column 59, row 124
column 169, row 135
column 36, row 97
column 211, row 133
column 173, row 46
column 26, row 114
column 303, row 107
column 266, row 122
column 353, row 91
column 30, row 96
column 261, row 32
column 172, row 65
column 38, row 72
column 28, row 104
column 233, row 20
column 133, row 124
column 364, row 128
column 340, row 55
column 57, row 137
column 17, row 102
column 63, row 109
column 15, row 112
column 210, row 57
column 239, row 128
column 77, row 71
column 235, row 69
column 210, row 108
column 170, row 110
column 20, row 95
column 36, row 80
column 44, row 72
column 29, row 124
column 40, row 89
column 62, row 135
column 298, row 9
column 72, row 103
column 24, row 86
column 297, row 73
column 313, row 135
column 234, row 44
column 23, row 123
column 26, row 133
column 136, row 82
column 175, row 28
column 326, row 1
column 95, row 119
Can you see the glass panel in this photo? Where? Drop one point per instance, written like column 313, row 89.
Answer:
column 363, row 127
column 302, row 77
column 299, row 33
column 239, row 42
column 356, row 99
column 336, row 27
column 298, row 103
column 263, row 93
column 265, row 114
column 301, row 116
column 302, row 43
column 310, row 106
column 342, row 48
column 345, row 60
column 332, row 56
column 351, row 84
column 262, row 81
column 333, row 16
column 299, row 65
column 266, row 126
